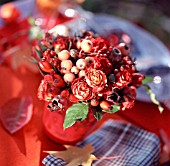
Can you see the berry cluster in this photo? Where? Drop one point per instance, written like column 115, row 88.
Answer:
column 86, row 68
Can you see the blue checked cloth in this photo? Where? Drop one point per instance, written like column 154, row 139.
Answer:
column 123, row 144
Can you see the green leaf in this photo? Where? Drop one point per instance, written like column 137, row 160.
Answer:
column 147, row 79
column 31, row 21
column 74, row 113
column 39, row 54
column 114, row 109
column 97, row 112
column 153, row 98
column 43, row 47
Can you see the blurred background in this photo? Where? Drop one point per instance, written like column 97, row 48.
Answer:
column 153, row 15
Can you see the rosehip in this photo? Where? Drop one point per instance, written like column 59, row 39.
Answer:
column 94, row 102
column 69, row 77
column 66, row 65
column 81, row 64
column 63, row 55
column 125, row 50
column 116, row 51
column 58, row 81
column 105, row 105
column 45, row 66
column 86, row 45
column 53, row 53
column 74, row 70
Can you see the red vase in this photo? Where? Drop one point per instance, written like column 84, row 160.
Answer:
column 53, row 127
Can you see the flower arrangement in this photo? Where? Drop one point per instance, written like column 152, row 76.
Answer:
column 86, row 73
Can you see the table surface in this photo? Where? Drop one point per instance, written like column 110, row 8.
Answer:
column 26, row 146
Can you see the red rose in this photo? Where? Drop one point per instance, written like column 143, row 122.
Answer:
column 123, row 77
column 46, row 91
column 81, row 90
column 96, row 79
column 61, row 43
column 137, row 79
column 100, row 43
column 50, row 87
column 129, row 96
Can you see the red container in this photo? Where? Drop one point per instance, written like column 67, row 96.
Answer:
column 53, row 126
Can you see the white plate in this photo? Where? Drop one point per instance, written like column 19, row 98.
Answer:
column 150, row 51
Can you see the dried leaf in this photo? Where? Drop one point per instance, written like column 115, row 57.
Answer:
column 75, row 156
column 16, row 113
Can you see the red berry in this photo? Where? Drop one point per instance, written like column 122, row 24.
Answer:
column 64, row 93
column 9, row 12
column 58, row 81
column 94, row 102
column 125, row 50
column 45, row 66
column 105, row 105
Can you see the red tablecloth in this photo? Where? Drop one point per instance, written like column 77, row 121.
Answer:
column 26, row 146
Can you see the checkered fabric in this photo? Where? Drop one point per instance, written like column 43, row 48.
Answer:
column 118, row 143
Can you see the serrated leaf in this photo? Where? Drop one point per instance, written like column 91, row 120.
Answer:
column 76, row 112
column 147, row 80
column 114, row 109
column 153, row 98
